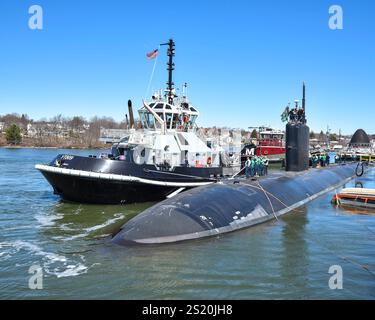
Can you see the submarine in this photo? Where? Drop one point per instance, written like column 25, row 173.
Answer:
column 237, row 203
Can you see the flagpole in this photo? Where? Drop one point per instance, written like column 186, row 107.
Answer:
column 152, row 76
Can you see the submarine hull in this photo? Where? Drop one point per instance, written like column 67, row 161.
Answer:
column 230, row 205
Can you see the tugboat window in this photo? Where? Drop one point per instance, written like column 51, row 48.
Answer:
column 143, row 119
column 192, row 119
column 159, row 106
column 168, row 117
column 176, row 121
column 150, row 120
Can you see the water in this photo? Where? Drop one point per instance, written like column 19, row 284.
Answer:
column 281, row 259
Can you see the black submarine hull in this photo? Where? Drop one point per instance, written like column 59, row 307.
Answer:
column 230, row 205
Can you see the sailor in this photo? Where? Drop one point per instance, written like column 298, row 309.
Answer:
column 327, row 159
column 257, row 167
column 337, row 159
column 186, row 122
column 266, row 163
column 261, row 166
column 252, row 166
column 322, row 160
column 294, row 114
column 248, row 168
column 300, row 113
column 291, row 115
column 314, row 161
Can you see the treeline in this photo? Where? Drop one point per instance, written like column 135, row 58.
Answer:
column 74, row 122
column 323, row 136
column 59, row 130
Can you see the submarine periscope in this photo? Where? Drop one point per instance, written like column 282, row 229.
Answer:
column 234, row 204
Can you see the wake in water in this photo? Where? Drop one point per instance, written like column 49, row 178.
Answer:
column 51, row 263
column 88, row 232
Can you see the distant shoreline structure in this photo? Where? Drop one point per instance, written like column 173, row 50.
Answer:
column 97, row 133
column 52, row 148
column 51, row 143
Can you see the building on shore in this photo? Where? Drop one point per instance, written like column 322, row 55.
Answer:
column 360, row 139
column 110, row 136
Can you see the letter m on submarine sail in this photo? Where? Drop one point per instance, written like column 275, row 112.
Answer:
column 250, row 151
column 36, row 19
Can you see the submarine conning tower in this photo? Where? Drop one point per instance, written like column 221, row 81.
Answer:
column 297, row 138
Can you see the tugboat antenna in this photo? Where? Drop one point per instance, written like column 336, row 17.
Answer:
column 170, row 64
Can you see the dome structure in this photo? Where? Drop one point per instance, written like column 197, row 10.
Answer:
column 360, row 139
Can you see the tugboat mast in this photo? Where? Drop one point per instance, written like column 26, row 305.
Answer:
column 170, row 64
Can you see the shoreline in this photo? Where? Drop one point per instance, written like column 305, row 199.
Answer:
column 62, row 147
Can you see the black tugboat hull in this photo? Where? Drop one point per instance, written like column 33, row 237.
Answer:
column 105, row 181
column 95, row 191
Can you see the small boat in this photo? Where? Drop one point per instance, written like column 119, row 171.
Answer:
column 163, row 158
column 357, row 197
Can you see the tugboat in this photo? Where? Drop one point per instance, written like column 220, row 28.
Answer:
column 162, row 159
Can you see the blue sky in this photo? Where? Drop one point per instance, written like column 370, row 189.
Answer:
column 243, row 60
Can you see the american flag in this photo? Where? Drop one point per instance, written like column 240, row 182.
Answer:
column 152, row 54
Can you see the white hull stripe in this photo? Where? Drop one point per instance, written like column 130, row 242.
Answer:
column 116, row 177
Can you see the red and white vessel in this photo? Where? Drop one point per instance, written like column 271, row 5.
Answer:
column 271, row 144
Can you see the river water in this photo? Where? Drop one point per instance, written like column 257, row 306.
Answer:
column 284, row 259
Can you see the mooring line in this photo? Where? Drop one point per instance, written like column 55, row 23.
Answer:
column 269, row 200
column 271, row 194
